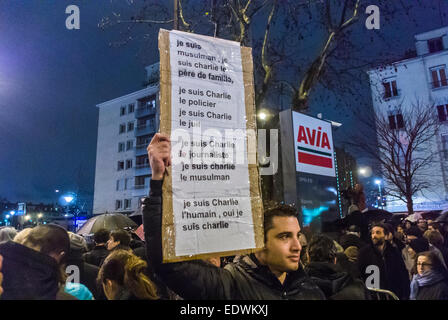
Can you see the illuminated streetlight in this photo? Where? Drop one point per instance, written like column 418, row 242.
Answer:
column 68, row 199
column 27, row 217
column 12, row 212
column 40, row 215
column 262, row 115
column 378, row 182
column 7, row 216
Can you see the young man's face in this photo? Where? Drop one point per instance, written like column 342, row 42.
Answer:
column 111, row 244
column 378, row 236
column 282, row 253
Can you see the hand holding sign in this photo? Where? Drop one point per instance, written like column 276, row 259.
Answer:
column 159, row 151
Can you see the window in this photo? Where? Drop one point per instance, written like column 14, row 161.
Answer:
column 120, row 165
column 396, row 121
column 130, row 126
column 445, row 146
column 122, row 128
column 435, row 45
column 120, row 146
column 127, row 203
column 129, row 164
column 438, row 75
column 442, row 112
column 390, row 88
column 131, row 108
column 129, row 144
column 117, row 188
column 122, row 111
column 118, row 204
column 126, row 183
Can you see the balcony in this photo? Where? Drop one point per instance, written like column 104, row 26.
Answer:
column 142, row 170
column 140, row 149
column 145, row 111
column 145, row 129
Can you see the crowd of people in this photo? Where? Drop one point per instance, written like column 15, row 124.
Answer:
column 407, row 259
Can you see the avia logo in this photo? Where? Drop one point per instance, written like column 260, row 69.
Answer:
column 314, row 138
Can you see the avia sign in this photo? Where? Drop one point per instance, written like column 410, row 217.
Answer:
column 313, row 145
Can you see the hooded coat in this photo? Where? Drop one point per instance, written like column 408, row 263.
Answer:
column 245, row 279
column 335, row 283
column 29, row 274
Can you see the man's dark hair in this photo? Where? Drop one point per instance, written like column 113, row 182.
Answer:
column 122, row 236
column 381, row 225
column 321, row 249
column 101, row 236
column 414, row 231
column 435, row 225
column 281, row 210
column 50, row 238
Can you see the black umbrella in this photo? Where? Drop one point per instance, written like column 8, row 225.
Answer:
column 443, row 217
column 431, row 215
column 108, row 221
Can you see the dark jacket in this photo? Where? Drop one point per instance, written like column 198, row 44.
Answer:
column 87, row 273
column 436, row 291
column 336, row 284
column 96, row 256
column 245, row 279
column 28, row 274
column 393, row 273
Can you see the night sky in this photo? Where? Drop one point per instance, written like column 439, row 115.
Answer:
column 51, row 79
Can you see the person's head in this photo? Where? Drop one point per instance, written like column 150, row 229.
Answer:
column 421, row 224
column 390, row 232
column 355, row 230
column 434, row 226
column 118, row 237
column 49, row 239
column 22, row 235
column 7, row 234
column 77, row 243
column 413, row 233
column 407, row 224
column 378, row 233
column 352, row 253
column 428, row 261
column 101, row 237
column 321, row 249
column 282, row 240
column 417, row 246
column 434, row 237
column 400, row 229
column 122, row 270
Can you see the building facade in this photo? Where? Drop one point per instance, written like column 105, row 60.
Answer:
column 126, row 125
column 419, row 79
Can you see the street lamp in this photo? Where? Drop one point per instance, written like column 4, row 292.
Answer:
column 378, row 182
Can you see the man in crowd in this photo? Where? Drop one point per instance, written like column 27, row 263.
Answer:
column 328, row 275
column 273, row 273
column 393, row 274
column 99, row 252
column 119, row 239
column 33, row 269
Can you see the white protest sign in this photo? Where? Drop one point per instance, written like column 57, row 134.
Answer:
column 210, row 177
